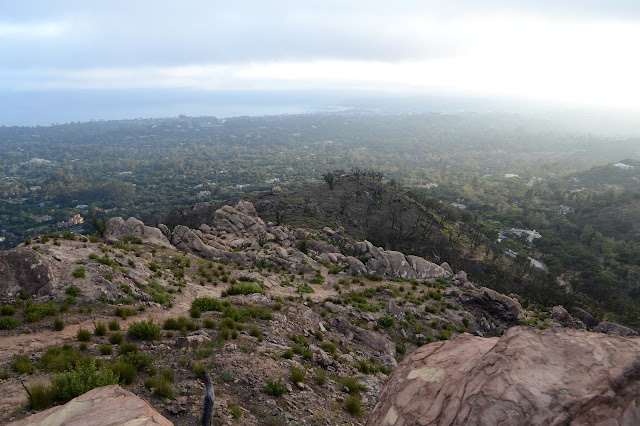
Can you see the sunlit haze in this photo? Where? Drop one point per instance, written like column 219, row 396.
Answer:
column 580, row 54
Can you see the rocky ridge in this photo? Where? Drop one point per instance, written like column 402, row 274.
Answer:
column 345, row 308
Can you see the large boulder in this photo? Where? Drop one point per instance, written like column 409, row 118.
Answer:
column 528, row 376
column 116, row 229
column 611, row 327
column 24, row 269
column 368, row 338
column 496, row 304
column 236, row 220
column 108, row 405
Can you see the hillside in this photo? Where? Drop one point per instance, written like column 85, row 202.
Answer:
column 267, row 309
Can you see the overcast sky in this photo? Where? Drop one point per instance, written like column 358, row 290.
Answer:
column 575, row 52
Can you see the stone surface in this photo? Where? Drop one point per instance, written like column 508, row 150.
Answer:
column 610, row 327
column 108, row 405
column 238, row 219
column 528, row 376
column 116, row 229
column 371, row 339
column 496, row 304
column 24, row 269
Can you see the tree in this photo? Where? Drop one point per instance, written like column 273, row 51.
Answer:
column 330, row 178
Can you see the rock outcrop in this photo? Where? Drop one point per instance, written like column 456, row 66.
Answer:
column 116, row 229
column 392, row 263
column 494, row 303
column 108, row 405
column 527, row 376
column 24, row 269
column 610, row 327
column 238, row 219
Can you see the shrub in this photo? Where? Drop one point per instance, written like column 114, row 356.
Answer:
column 297, row 374
column 256, row 332
column 321, row 377
column 353, row 405
column 41, row 396
column 163, row 388
column 144, row 330
column 114, row 325
column 352, row 383
column 125, row 371
column 127, row 347
column 116, row 338
column 22, row 364
column 7, row 310
column 275, row 388
column 209, row 323
column 100, row 329
column 386, row 321
column 288, row 354
column 82, row 379
column 79, row 273
column 8, row 323
column 73, row 290
column 168, row 374
column 244, row 288
column 58, row 324
column 226, row 376
column 197, row 368
column 106, row 349
column 36, row 311
column 84, row 335
column 123, row 312
column 181, row 323
column 236, row 412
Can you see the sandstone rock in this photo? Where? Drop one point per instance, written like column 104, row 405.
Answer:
column 355, row 265
column 165, row 230
column 610, row 327
column 185, row 239
column 496, row 304
column 108, row 405
column 238, row 219
column 527, row 376
column 24, row 269
column 426, row 270
column 560, row 314
column 116, row 229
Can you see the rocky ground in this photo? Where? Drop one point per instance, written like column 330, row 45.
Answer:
column 313, row 323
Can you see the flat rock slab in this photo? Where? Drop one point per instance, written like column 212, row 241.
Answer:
column 528, row 376
column 108, row 405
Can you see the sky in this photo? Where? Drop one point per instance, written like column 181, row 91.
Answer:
column 580, row 53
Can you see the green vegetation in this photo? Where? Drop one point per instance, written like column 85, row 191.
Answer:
column 275, row 388
column 83, row 335
column 144, row 330
column 79, row 273
column 8, row 323
column 34, row 312
column 58, row 324
column 22, row 364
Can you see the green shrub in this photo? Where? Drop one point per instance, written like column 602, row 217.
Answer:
column 353, row 405
column 299, row 340
column 352, row 383
column 244, row 288
column 236, row 412
column 116, row 338
column 8, row 323
column 144, row 330
column 180, row 323
column 386, row 321
column 168, row 374
column 4, row 374
column 106, row 349
column 22, row 364
column 58, row 324
column 256, row 332
column 83, row 335
column 330, row 347
column 297, row 374
column 226, row 376
column 127, row 347
column 288, row 354
column 321, row 377
column 79, row 273
column 275, row 388
column 163, row 388
column 41, row 396
column 100, row 329
column 197, row 368
column 7, row 310
column 444, row 335
column 59, row 359
column 209, row 323
column 82, row 379
column 114, row 325
column 125, row 371
column 36, row 311
column 73, row 290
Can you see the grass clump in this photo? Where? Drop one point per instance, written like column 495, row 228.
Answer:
column 100, row 329
column 144, row 330
column 7, row 310
column 58, row 324
column 386, row 321
column 73, row 291
column 8, row 323
column 79, row 273
column 244, row 288
column 82, row 379
column 106, row 349
column 352, row 384
column 34, row 312
column 41, row 396
column 116, row 338
column 321, row 377
column 83, row 335
column 353, row 405
column 114, row 325
column 275, row 388
column 127, row 347
column 181, row 323
column 123, row 312
column 297, row 374
column 22, row 364
column 125, row 371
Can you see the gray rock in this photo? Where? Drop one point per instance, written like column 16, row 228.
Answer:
column 496, row 304
column 116, row 229
column 25, row 269
column 613, row 328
